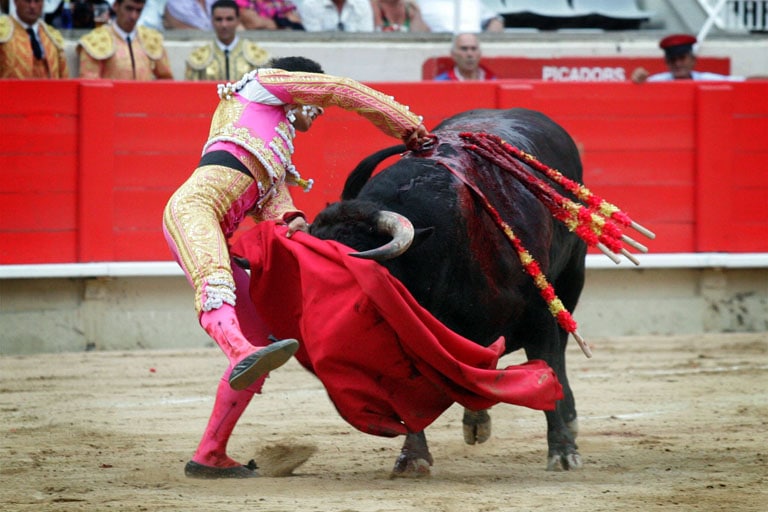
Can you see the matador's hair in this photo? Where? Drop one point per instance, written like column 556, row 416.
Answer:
column 296, row 64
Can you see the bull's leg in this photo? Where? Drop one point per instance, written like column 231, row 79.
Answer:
column 569, row 286
column 562, row 423
column 561, row 439
column 477, row 426
column 414, row 460
column 562, row 450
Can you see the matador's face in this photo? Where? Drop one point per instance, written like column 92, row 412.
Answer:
column 302, row 116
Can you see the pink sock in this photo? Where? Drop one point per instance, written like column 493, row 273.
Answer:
column 228, row 407
column 222, row 325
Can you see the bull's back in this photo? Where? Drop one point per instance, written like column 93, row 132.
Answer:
column 467, row 274
column 529, row 130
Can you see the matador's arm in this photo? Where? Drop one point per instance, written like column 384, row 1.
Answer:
column 383, row 111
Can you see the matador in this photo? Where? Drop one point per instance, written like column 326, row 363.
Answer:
column 244, row 170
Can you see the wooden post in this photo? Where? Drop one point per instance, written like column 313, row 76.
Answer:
column 95, row 219
column 714, row 143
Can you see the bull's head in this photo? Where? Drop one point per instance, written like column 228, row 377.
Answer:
column 399, row 228
column 374, row 233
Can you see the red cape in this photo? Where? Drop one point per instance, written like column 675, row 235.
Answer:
column 387, row 364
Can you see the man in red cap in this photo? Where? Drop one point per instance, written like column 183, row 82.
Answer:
column 678, row 54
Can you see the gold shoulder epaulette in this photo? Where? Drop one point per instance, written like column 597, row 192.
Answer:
column 6, row 28
column 98, row 43
column 200, row 57
column 152, row 42
column 254, row 54
column 55, row 35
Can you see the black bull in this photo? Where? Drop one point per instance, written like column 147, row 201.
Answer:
column 461, row 267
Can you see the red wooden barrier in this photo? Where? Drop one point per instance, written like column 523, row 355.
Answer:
column 87, row 166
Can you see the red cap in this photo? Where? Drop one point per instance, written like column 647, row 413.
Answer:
column 677, row 44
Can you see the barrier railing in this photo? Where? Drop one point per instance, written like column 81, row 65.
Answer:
column 87, row 166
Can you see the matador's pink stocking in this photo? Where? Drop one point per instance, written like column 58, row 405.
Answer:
column 222, row 325
column 227, row 409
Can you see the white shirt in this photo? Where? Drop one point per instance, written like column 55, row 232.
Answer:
column 322, row 15
column 695, row 75
column 191, row 13
column 442, row 15
column 230, row 46
column 152, row 14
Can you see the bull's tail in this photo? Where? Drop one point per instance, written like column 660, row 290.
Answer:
column 362, row 173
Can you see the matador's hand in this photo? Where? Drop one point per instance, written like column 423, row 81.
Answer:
column 418, row 138
column 297, row 224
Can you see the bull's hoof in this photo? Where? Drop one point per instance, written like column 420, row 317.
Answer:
column 477, row 426
column 411, row 468
column 196, row 470
column 414, row 459
column 564, row 462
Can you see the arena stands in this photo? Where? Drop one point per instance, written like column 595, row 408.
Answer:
column 571, row 14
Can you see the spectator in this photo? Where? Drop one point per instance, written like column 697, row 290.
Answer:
column 122, row 50
column 227, row 57
column 49, row 8
column 29, row 47
column 398, row 16
column 245, row 170
column 337, row 15
column 462, row 16
column 188, row 14
column 81, row 13
column 466, row 55
column 270, row 15
column 152, row 15
column 680, row 59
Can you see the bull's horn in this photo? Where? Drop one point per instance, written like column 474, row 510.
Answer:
column 396, row 226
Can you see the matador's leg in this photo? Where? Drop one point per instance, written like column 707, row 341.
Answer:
column 192, row 223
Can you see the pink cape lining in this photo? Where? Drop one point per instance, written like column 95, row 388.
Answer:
column 387, row 364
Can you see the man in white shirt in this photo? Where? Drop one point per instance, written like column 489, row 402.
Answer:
column 336, row 15
column 460, row 16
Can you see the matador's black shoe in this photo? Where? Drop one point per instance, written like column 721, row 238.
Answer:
column 247, row 371
column 197, row 470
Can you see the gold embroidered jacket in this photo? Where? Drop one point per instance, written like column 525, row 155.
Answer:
column 16, row 58
column 208, row 62
column 104, row 54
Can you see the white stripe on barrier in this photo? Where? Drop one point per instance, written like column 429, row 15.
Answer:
column 169, row 268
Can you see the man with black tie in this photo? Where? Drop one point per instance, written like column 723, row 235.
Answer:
column 228, row 57
column 30, row 48
column 122, row 50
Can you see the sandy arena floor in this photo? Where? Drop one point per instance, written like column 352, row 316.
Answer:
column 667, row 423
